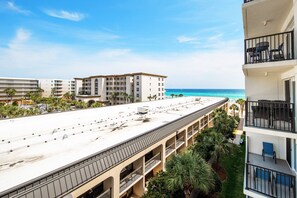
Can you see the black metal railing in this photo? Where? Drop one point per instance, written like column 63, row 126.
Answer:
column 274, row 47
column 270, row 182
column 246, row 1
column 278, row 115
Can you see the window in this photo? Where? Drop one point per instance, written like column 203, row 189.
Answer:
column 96, row 87
column 159, row 89
column 159, row 79
column 137, row 83
column 137, row 89
column 162, row 84
column 159, row 94
column 162, row 94
column 159, row 84
column 137, row 77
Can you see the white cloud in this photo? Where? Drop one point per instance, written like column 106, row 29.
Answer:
column 11, row 6
column 62, row 14
column 185, row 39
column 219, row 67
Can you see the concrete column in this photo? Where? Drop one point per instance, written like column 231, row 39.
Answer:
column 115, row 191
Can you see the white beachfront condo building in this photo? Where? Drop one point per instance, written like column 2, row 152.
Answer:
column 108, row 152
column 56, row 87
column 21, row 85
column 270, row 70
column 139, row 87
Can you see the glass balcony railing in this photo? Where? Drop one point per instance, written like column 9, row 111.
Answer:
column 269, row 48
column 269, row 114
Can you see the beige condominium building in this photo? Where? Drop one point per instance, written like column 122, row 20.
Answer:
column 56, row 87
column 270, row 69
column 138, row 87
column 108, row 152
column 21, row 85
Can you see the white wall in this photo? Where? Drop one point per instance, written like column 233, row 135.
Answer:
column 256, row 143
column 268, row 87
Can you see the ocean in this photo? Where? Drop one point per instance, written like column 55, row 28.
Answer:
column 232, row 94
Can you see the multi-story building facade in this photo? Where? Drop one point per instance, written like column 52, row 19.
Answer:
column 56, row 87
column 106, row 152
column 21, row 85
column 270, row 74
column 136, row 86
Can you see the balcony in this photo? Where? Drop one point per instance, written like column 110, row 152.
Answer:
column 190, row 134
column 246, row 1
column 270, row 48
column 152, row 163
column 105, row 194
column 180, row 142
column 170, row 149
column 269, row 179
column 276, row 115
column 130, row 180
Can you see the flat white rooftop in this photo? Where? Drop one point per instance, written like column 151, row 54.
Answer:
column 33, row 146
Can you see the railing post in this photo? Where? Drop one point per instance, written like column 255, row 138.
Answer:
column 292, row 44
column 246, row 112
column 245, row 55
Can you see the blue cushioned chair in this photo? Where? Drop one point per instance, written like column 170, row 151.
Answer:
column 285, row 181
column 265, row 179
column 268, row 151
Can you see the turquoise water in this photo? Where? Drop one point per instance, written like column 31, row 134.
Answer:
column 230, row 93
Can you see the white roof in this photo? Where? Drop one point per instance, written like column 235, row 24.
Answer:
column 33, row 146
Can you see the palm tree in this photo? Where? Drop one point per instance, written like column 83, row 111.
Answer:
column 188, row 171
column 150, row 97
column 53, row 91
column 113, row 97
column 10, row 92
column 154, row 97
column 67, row 96
column 130, row 98
column 219, row 144
column 180, row 95
column 125, row 96
column 241, row 102
column 172, row 95
column 234, row 108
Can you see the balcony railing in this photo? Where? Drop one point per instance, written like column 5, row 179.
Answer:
column 169, row 149
column 277, row 115
column 106, row 194
column 180, row 141
column 270, row 182
column 130, row 179
column 152, row 162
column 190, row 133
column 275, row 47
column 246, row 1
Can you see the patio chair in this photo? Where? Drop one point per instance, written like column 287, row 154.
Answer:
column 283, row 118
column 262, row 113
column 284, row 182
column 262, row 180
column 277, row 54
column 268, row 151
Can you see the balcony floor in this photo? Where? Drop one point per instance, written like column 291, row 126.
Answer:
column 269, row 163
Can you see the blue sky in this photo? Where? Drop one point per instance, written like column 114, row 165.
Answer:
column 196, row 43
